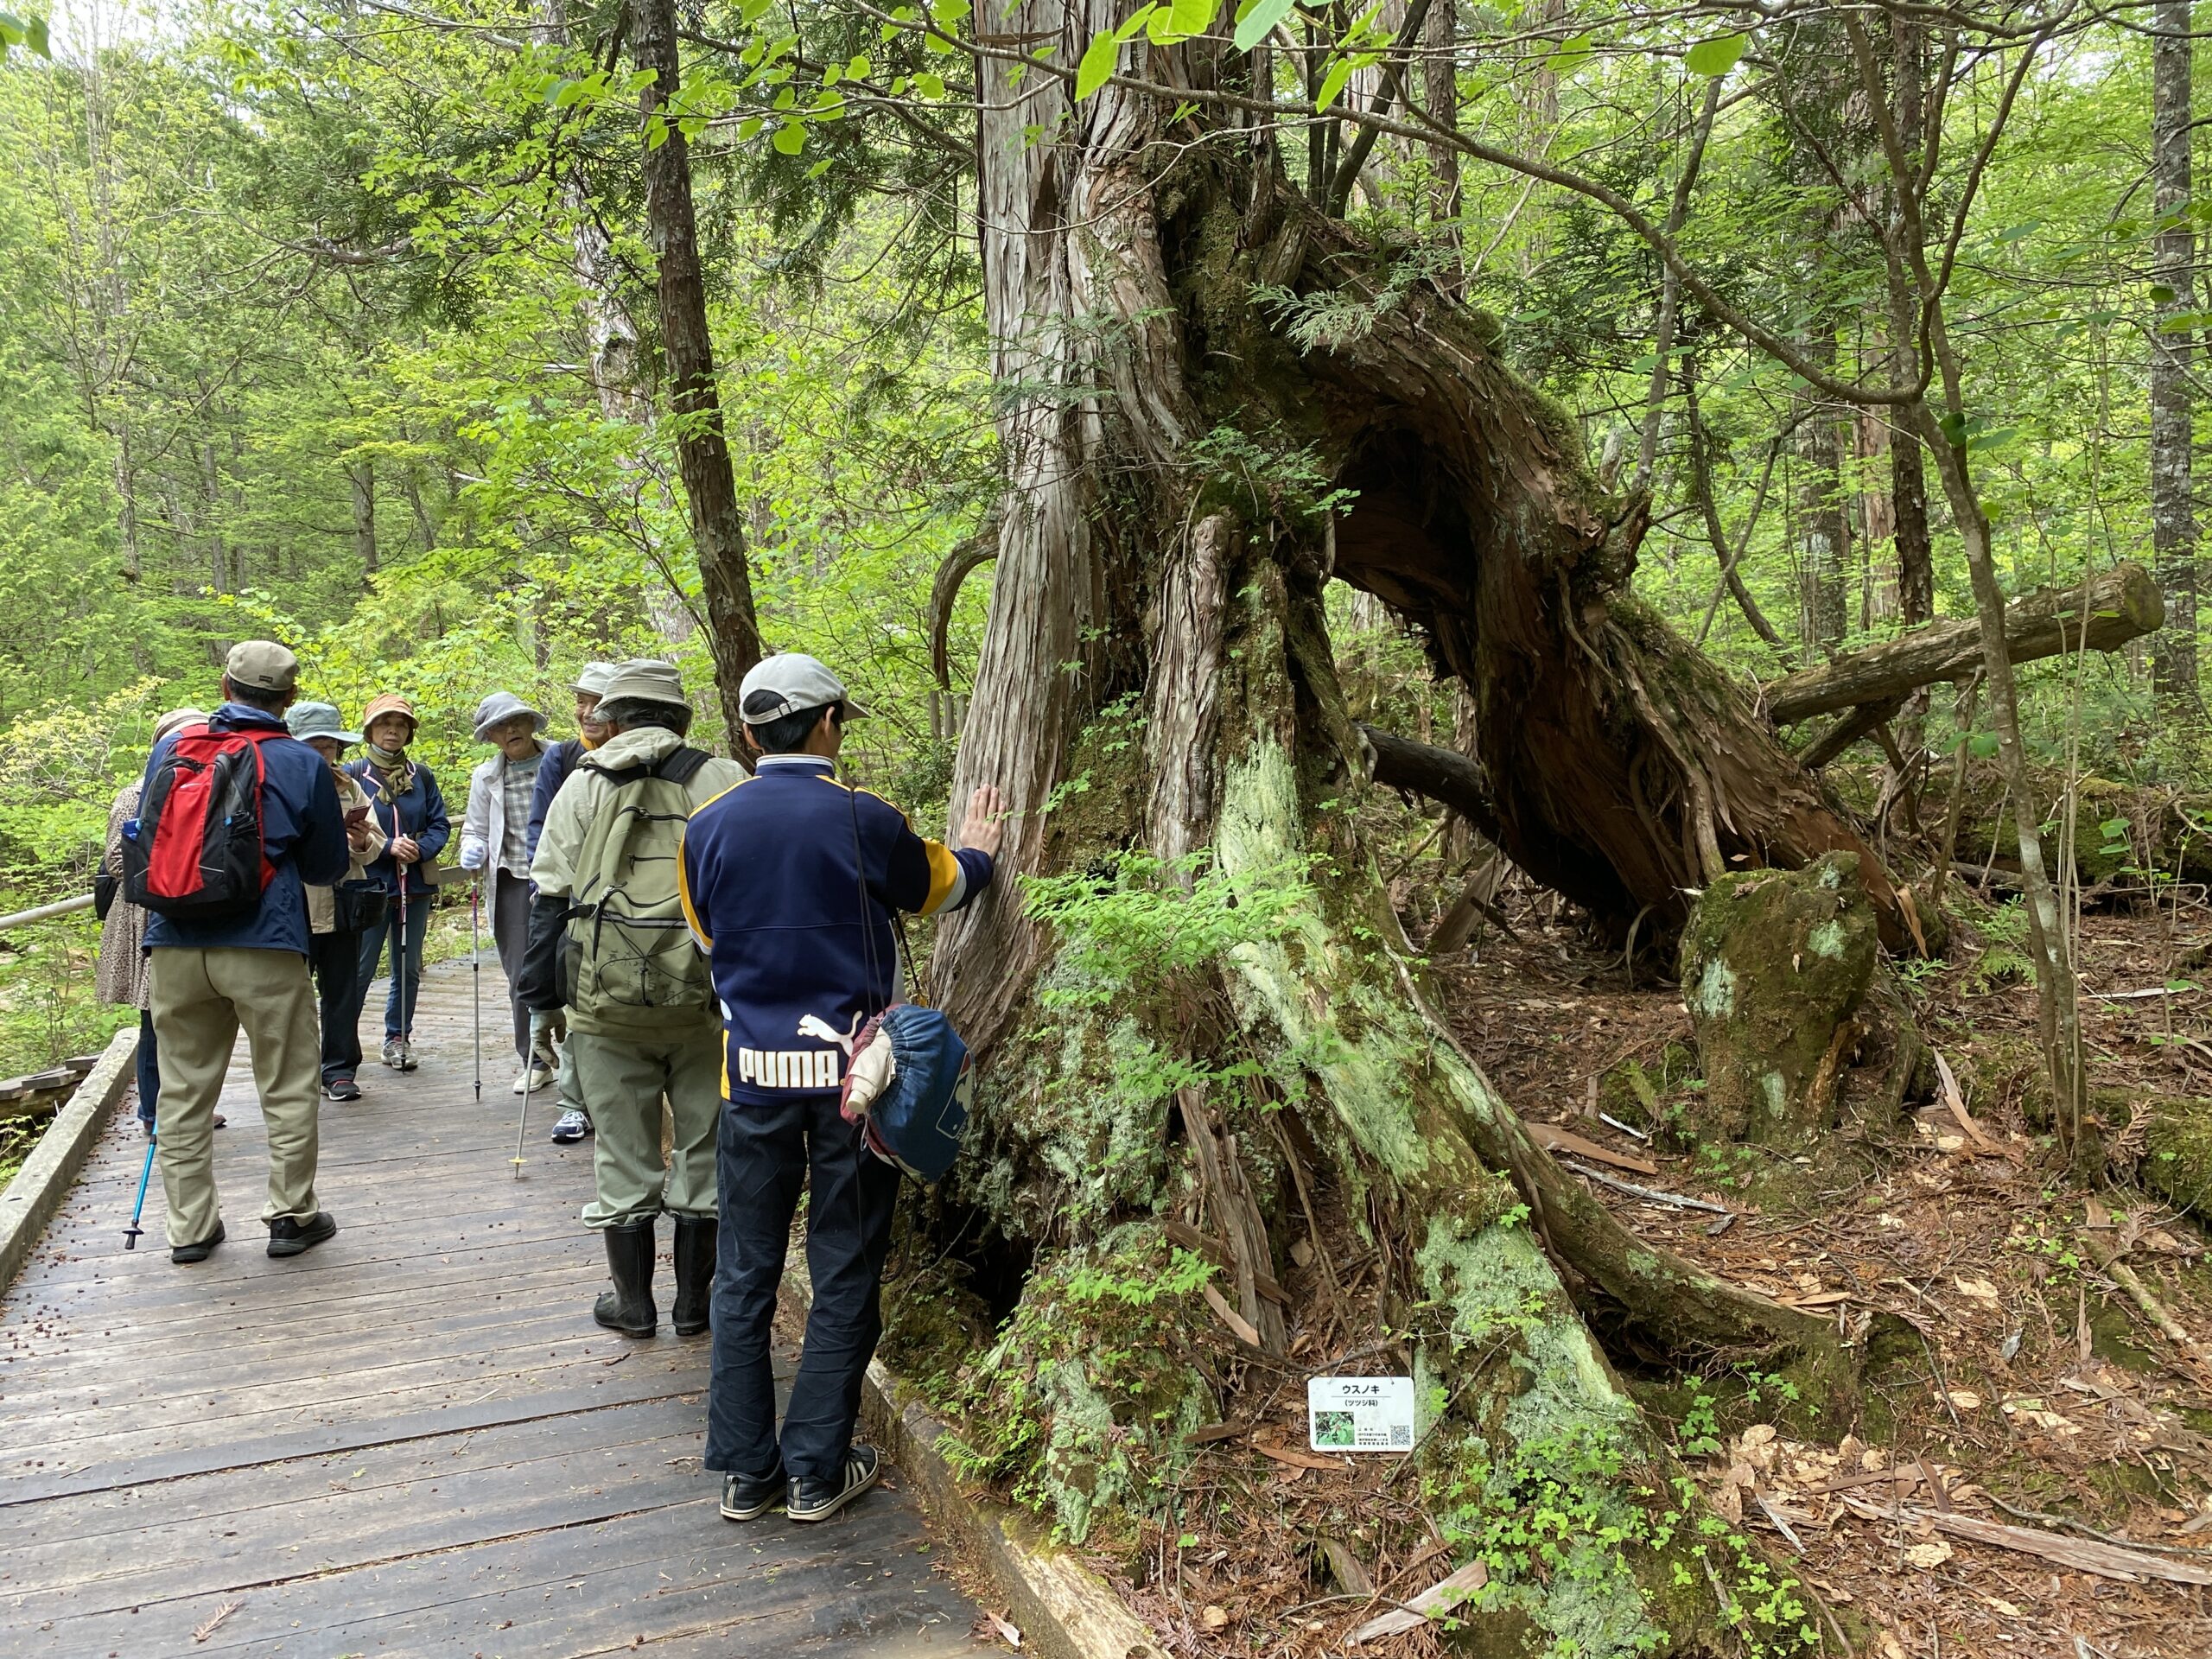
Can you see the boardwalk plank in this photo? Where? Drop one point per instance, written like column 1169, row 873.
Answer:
column 411, row 1440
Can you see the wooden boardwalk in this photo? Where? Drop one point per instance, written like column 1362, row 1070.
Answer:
column 412, row 1440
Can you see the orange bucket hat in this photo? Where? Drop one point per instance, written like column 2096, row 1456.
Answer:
column 391, row 703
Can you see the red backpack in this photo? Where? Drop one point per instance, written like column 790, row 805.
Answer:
column 195, row 853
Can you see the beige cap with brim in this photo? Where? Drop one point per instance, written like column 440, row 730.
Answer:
column 261, row 665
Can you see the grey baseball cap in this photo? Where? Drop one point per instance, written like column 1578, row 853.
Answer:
column 592, row 678
column 646, row 679
column 318, row 720
column 263, row 664
column 786, row 683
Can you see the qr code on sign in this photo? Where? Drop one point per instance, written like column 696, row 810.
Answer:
column 1402, row 1435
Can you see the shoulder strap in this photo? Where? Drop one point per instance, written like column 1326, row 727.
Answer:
column 681, row 765
column 678, row 766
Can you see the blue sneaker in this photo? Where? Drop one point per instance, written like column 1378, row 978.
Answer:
column 572, row 1126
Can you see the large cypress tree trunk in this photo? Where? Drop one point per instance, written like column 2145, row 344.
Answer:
column 1164, row 551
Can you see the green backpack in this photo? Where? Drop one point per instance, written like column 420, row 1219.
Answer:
column 628, row 951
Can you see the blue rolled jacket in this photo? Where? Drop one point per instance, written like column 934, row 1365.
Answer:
column 302, row 833
column 419, row 812
column 552, row 771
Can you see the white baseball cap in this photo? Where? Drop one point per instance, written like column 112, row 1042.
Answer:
column 788, row 682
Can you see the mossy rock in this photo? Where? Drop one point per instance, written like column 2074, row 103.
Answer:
column 1774, row 965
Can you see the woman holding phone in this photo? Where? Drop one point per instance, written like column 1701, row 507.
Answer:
column 339, row 915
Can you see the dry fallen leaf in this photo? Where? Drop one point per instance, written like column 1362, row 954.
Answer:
column 1934, row 1553
column 1964, row 1399
column 1980, row 1289
column 1214, row 1619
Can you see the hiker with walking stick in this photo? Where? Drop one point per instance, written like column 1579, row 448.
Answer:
column 589, row 685
column 411, row 810
column 607, row 939
column 494, row 837
column 237, row 819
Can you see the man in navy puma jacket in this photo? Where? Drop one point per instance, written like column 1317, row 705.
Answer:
column 789, row 881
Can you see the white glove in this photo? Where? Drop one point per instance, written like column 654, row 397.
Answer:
column 473, row 855
column 869, row 1073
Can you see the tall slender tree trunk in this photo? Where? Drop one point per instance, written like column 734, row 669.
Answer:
column 702, row 448
column 1820, row 508
column 1440, row 99
column 2173, row 509
column 361, row 479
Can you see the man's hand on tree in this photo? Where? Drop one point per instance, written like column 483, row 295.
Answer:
column 985, row 825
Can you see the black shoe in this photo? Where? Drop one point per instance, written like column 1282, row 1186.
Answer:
column 289, row 1236
column 695, row 1238
column 629, row 1306
column 185, row 1255
column 747, row 1497
column 341, row 1089
column 817, row 1500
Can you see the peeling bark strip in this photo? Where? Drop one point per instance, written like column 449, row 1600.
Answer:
column 2119, row 605
column 702, row 451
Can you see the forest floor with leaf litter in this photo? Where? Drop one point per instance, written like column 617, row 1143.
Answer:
column 2026, row 1391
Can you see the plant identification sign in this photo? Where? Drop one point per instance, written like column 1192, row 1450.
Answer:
column 1360, row 1414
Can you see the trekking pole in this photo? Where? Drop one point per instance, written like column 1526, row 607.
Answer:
column 134, row 1232
column 476, row 987
column 521, row 1121
column 399, row 968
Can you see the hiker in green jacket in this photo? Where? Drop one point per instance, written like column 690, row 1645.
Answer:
column 608, row 937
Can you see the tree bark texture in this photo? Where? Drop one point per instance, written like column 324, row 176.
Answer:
column 1135, row 573
column 2173, row 510
column 2104, row 614
column 702, row 448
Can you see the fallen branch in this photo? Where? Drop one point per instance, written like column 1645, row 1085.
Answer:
column 1443, row 775
column 1438, row 1598
column 2120, row 1273
column 2119, row 605
column 1650, row 1194
column 1553, row 1138
column 2105, row 1560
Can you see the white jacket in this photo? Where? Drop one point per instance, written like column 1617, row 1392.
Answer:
column 484, row 827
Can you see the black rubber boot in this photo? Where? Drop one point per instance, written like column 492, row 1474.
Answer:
column 629, row 1306
column 695, row 1238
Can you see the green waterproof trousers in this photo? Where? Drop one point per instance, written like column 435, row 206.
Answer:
column 622, row 1080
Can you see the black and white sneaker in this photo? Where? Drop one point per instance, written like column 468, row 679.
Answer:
column 747, row 1497
column 817, row 1500
column 341, row 1089
column 571, row 1127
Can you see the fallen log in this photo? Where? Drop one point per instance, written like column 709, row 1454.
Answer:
column 2119, row 605
column 1444, row 775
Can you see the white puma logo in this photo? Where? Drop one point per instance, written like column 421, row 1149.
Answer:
column 821, row 1031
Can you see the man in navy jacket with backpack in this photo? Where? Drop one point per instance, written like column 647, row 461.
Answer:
column 789, row 882
column 209, row 975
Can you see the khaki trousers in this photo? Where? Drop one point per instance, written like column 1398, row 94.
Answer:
column 622, row 1079
column 200, row 998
